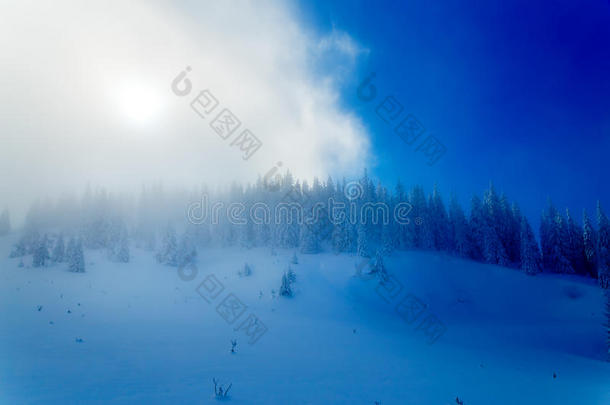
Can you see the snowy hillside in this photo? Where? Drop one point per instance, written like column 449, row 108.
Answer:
column 137, row 332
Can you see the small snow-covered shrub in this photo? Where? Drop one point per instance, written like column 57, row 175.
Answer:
column 20, row 248
column 295, row 259
column 246, row 271
column 288, row 278
column 219, row 391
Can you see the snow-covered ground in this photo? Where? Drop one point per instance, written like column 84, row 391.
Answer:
column 148, row 336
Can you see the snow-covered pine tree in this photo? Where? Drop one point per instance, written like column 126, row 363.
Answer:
column 186, row 251
column 286, row 287
column 590, row 245
column 5, row 222
column 575, row 245
column 403, row 237
column 458, row 229
column 378, row 267
column 245, row 271
column 608, row 322
column 513, row 243
column 547, row 229
column 41, row 252
column 340, row 236
column 439, row 223
column 419, row 233
column 59, row 250
column 603, row 248
column 554, row 241
column 309, row 241
column 363, row 241
column 20, row 248
column 168, row 252
column 564, row 249
column 122, row 254
column 76, row 257
column 477, row 224
column 493, row 251
column 495, row 225
column 530, row 253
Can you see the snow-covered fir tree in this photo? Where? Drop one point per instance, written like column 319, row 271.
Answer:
column 245, row 271
column 589, row 245
column 309, row 240
column 288, row 279
column 363, row 249
column 530, row 253
column 554, row 241
column 607, row 293
column 575, row 249
column 20, row 248
column 41, row 252
column 459, row 243
column 168, row 251
column 59, row 251
column 439, row 222
column 420, row 235
column 603, row 248
column 186, row 252
column 477, row 224
column 123, row 255
column 75, row 256
column 377, row 267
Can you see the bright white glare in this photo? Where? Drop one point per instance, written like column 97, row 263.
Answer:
column 139, row 103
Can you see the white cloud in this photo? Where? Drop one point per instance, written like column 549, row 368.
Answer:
column 69, row 69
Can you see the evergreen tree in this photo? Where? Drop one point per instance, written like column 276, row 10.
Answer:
column 494, row 229
column 554, row 241
column 603, row 248
column 439, row 223
column 589, row 245
column 41, row 253
column 608, row 322
column 76, row 257
column 513, row 242
column 477, row 225
column 288, row 278
column 59, row 250
column 20, row 248
column 309, row 241
column 575, row 245
column 363, row 242
column 493, row 251
column 458, row 229
column 403, row 240
column 5, row 223
column 186, row 252
column 168, row 254
column 123, row 255
column 547, row 230
column 420, row 235
column 378, row 267
column 530, row 253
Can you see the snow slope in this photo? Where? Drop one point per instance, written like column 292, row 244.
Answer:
column 148, row 337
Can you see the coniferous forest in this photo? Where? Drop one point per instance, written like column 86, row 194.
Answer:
column 358, row 217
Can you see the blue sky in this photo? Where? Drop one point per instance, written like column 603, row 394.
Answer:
column 518, row 91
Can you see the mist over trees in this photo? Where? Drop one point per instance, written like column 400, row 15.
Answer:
column 356, row 217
